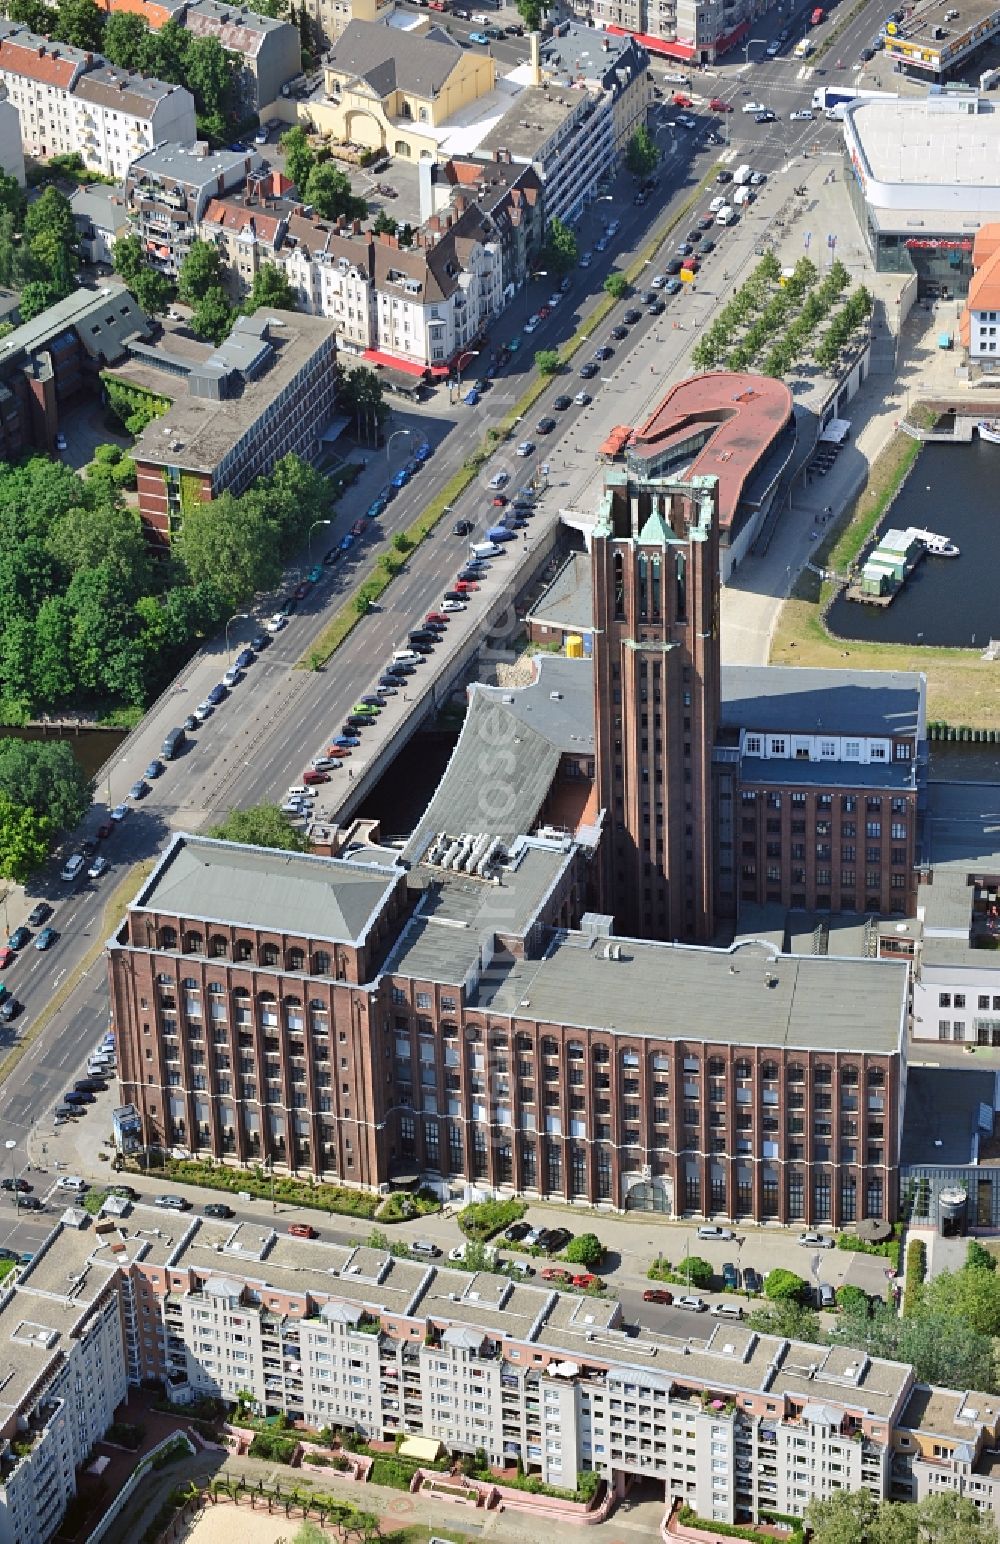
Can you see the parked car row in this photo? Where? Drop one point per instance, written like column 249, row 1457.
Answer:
column 102, row 1065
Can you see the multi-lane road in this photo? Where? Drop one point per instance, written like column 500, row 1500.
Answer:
column 277, row 718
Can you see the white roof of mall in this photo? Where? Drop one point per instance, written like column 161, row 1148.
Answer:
column 926, row 161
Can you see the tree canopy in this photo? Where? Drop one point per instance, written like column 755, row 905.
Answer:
column 562, row 250
column 642, row 152
column 855, row 1517
column 44, row 776
column 262, row 826
column 329, row 191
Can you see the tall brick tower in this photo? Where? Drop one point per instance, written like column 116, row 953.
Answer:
column 656, row 682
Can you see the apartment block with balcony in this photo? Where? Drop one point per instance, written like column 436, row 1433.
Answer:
column 39, row 76
column 686, row 31
column 331, row 268
column 118, row 117
column 567, row 135
column 168, row 190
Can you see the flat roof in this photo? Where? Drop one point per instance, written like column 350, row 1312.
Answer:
column 787, row 771
column 741, row 415
column 962, row 826
column 922, row 142
column 918, row 26
column 285, row 892
column 793, row 699
column 941, row 1113
column 744, row 996
column 526, row 128
column 949, row 1412
column 457, row 911
column 197, row 433
column 191, row 165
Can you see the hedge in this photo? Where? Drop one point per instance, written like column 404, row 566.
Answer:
column 688, row 1518
column 484, row 1218
column 890, row 1250
column 256, row 1182
column 916, row 1270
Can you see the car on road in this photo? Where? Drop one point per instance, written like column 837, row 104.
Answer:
column 90, row 1085
column 686, row 121
column 345, row 742
column 545, row 426
column 331, row 556
column 754, row 107
column 632, row 316
column 462, row 528
column 526, row 448
column 554, row 1239
column 533, row 323
column 499, row 480
column 865, row 55
column 9, row 1009
column 723, row 176
column 586, row 258
column 587, row 1279
column 756, row 178
column 435, row 619
column 203, row 711
column 657, row 1295
column 603, row 353
column 97, row 868
column 706, row 246
column 465, row 586
column 302, row 1230
column 720, row 105
column 672, row 286
column 46, row 939
column 517, row 1232
column 803, row 115
column 155, row 769
column 480, row 38
column 77, row 1096
column 301, row 590
column 773, row 49
column 765, row 117
column 657, row 308
column 37, row 915
column 640, row 199
column 589, row 370
column 6, row 956
column 10, row 1182
column 619, row 333
column 218, row 1209
column 20, row 935
column 691, row 1303
column 816, row 1241
column 753, row 1281
column 562, row 403
column 275, row 623
column 583, row 399
column 31, row 1204
column 314, row 775
column 192, row 722
column 556, row 1273
column 119, row 813
column 244, row 660
column 452, row 603
column 171, row 1203
column 601, row 244
column 139, row 789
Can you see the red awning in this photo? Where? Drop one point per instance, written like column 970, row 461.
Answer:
column 375, row 356
column 438, row 372
column 675, row 50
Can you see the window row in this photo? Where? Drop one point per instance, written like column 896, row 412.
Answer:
column 244, row 950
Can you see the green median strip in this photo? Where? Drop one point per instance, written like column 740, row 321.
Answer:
column 378, row 578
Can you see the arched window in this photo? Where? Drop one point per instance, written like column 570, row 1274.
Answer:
column 401, row 148
column 575, row 1050
column 218, row 947
column 296, row 960
column 742, row 1068
column 269, row 954
column 168, row 938
column 244, row 949
column 473, row 1033
column 321, row 963
column 192, row 942
column 190, row 984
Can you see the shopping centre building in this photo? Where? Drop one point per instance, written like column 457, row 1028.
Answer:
column 924, row 175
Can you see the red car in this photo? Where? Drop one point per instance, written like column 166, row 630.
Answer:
column 692, row 264
column 312, row 775
column 465, row 586
column 301, row 590
column 6, row 955
column 359, row 527
column 556, row 1273
column 336, row 751
column 302, row 1230
column 587, row 1279
column 437, row 616
column 680, row 100
column 717, row 105
column 657, row 1295
column 544, row 311
column 499, row 500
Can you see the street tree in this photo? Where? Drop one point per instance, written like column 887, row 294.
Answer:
column 45, row 777
column 787, row 1319
column 127, row 255
column 562, row 250
column 971, row 1295
column 208, row 75
column 230, row 543
column 299, row 156
column 261, row 826
column 153, row 290
column 80, row 23
column 25, row 840
column 616, row 286
column 530, row 12
column 642, row 152
column 547, row 361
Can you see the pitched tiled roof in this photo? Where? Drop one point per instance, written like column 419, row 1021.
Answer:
column 50, row 64
column 390, row 60
column 241, row 31
column 234, row 216
column 137, row 95
column 153, row 14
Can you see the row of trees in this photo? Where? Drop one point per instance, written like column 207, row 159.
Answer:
column 172, row 54
column 87, row 616
column 847, row 320
column 947, row 1333
column 38, row 252
column 43, row 791
column 855, row 1517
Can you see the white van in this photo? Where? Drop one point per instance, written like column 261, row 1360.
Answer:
column 486, row 549
column 406, row 657
column 726, row 215
column 300, row 791
column 742, row 196
column 742, row 174
column 72, row 1182
column 73, row 868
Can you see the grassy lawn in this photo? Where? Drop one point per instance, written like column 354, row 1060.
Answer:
column 961, row 687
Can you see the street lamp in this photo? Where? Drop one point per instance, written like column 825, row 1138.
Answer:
column 470, row 353
column 11, row 1145
column 749, row 44
column 315, row 525
column 237, row 616
column 394, row 435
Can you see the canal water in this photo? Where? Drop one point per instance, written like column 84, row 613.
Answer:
column 951, row 602
column 91, row 747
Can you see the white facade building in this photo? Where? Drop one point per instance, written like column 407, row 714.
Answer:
column 118, row 117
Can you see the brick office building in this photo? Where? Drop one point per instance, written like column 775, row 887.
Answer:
column 367, row 1022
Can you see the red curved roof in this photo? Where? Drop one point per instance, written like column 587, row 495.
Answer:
column 742, row 415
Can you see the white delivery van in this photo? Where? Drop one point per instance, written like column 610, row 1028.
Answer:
column 742, row 196
column 406, row 657
column 742, row 174
column 726, row 215
column 486, row 549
